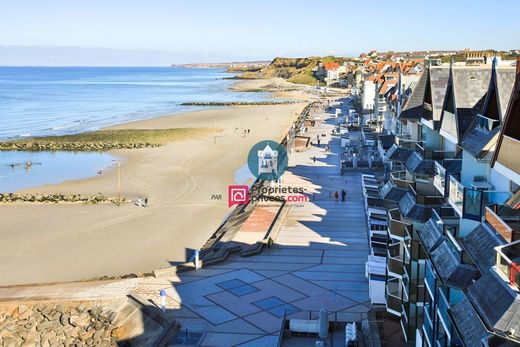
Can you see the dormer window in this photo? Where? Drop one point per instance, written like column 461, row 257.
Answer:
column 487, row 123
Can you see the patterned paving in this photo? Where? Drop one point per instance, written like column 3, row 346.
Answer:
column 317, row 261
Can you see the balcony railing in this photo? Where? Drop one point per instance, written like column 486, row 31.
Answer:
column 405, row 141
column 507, row 262
column 395, row 259
column 423, row 199
column 428, row 324
column 497, row 223
column 400, row 180
column 429, row 278
column 393, row 296
column 439, row 179
column 396, row 227
column 456, row 194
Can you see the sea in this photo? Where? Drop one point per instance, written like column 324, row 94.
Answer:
column 39, row 101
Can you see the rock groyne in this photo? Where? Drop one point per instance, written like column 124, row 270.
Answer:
column 241, row 103
column 70, row 146
column 8, row 198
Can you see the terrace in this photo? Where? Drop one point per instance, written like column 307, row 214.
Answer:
column 507, row 262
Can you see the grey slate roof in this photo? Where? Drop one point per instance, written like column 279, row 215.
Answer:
column 414, row 105
column 410, row 209
column 438, row 80
column 496, row 303
column 469, row 86
column 477, row 138
column 505, row 83
column 469, row 326
column 426, row 167
column 396, row 153
column 449, row 267
column 480, row 244
column 430, row 235
column 395, row 194
column 386, row 141
column 452, row 166
column 413, row 161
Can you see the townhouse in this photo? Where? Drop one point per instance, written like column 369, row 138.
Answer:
column 450, row 196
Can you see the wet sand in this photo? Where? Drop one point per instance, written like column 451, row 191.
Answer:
column 62, row 242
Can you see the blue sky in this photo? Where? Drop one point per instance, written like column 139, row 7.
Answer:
column 161, row 32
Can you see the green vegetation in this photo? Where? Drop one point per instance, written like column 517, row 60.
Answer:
column 295, row 70
column 105, row 139
column 304, row 78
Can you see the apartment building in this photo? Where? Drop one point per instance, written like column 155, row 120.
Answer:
column 454, row 182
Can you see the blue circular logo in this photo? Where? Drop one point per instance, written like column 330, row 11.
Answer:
column 267, row 160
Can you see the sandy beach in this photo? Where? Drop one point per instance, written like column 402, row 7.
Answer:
column 61, row 242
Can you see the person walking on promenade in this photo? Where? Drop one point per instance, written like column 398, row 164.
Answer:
column 336, row 195
column 343, row 194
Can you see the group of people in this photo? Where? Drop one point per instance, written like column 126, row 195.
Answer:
column 343, row 195
column 142, row 202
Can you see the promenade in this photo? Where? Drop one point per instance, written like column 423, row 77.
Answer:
column 317, row 261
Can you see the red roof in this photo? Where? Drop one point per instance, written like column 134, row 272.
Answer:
column 331, row 66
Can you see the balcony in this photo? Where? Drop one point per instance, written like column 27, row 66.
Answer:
column 399, row 179
column 504, row 220
column 475, row 201
column 395, row 260
column 439, row 179
column 422, row 198
column 443, row 306
column 508, row 258
column 428, row 325
column 429, row 279
column 456, row 195
column 405, row 141
column 414, row 291
column 393, row 296
column 397, row 228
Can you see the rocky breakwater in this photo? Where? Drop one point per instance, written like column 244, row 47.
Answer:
column 71, row 146
column 56, row 325
column 240, row 103
column 7, row 198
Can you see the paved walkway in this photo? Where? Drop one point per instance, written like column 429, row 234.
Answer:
column 318, row 260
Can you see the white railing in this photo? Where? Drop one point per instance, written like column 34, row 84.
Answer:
column 456, row 195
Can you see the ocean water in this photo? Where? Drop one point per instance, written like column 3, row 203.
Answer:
column 49, row 167
column 37, row 101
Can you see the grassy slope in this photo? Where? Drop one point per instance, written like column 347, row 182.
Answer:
column 295, row 70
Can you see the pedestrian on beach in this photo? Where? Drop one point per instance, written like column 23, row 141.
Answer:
column 343, row 194
column 249, row 131
column 314, row 159
column 318, row 142
column 146, row 202
column 336, row 196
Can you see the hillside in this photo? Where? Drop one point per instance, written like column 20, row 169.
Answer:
column 295, row 70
